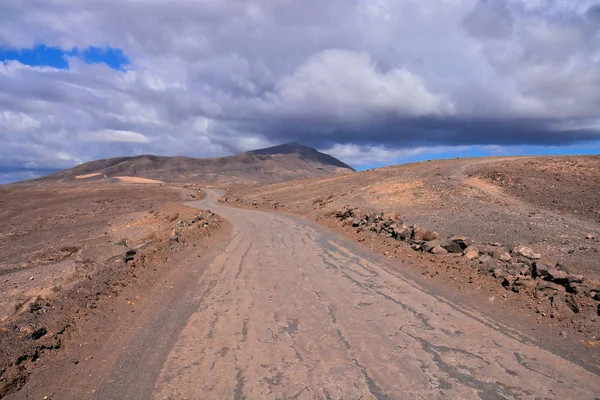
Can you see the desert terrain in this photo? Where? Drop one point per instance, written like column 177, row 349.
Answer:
column 72, row 256
column 463, row 278
column 550, row 205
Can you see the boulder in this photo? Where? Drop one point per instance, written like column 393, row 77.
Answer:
column 557, row 276
column 523, row 283
column 453, row 247
column 572, row 302
column 580, row 289
column 541, row 269
column 502, row 254
column 508, row 281
column 344, row 213
column 428, row 246
column 560, row 308
column 471, row 253
column 430, row 235
column 438, row 250
column 403, row 233
column 575, row 278
column 488, row 264
column 552, row 274
column 485, row 259
column 417, row 233
column 527, row 252
column 462, row 241
column 499, row 273
column 519, row 269
column 544, row 288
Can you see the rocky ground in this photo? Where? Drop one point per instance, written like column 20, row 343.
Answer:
column 72, row 254
column 521, row 233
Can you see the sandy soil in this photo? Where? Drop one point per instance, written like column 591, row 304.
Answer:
column 134, row 179
column 466, row 197
column 288, row 309
column 66, row 249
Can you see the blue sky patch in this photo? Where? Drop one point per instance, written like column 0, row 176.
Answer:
column 57, row 58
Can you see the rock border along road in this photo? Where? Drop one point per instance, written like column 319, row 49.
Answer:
column 290, row 310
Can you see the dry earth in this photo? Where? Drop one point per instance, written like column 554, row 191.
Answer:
column 68, row 252
column 284, row 308
column 551, row 204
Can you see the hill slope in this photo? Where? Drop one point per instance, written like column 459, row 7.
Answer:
column 275, row 164
column 549, row 203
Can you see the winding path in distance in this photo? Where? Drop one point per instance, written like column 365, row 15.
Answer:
column 290, row 310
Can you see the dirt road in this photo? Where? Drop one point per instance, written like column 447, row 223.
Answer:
column 289, row 310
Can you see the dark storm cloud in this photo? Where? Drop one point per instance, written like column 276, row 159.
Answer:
column 361, row 78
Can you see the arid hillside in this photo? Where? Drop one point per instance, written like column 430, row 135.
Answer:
column 551, row 203
column 68, row 251
column 275, row 164
column 524, row 230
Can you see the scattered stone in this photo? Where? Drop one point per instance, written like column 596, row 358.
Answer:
column 488, row 263
column 563, row 333
column 499, row 273
column 439, row 250
column 485, row 259
column 453, row 247
column 403, row 233
column 572, row 303
column 541, row 270
column 526, row 252
column 590, row 236
column 503, row 256
column 417, row 233
column 38, row 333
column 519, row 269
column 549, row 273
column 430, row 235
column 508, row 281
column 544, row 288
column 122, row 242
column 462, row 241
column 471, row 253
column 580, row 289
column 129, row 255
column 523, row 283
column 428, row 246
column 575, row 279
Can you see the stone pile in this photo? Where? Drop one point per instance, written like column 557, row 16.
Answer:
column 518, row 268
column 200, row 220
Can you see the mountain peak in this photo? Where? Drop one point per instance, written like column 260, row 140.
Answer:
column 305, row 152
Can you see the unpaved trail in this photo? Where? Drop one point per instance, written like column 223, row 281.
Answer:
column 290, row 310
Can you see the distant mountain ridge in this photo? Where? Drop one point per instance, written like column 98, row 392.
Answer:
column 274, row 164
column 308, row 153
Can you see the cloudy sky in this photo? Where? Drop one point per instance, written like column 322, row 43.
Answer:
column 373, row 82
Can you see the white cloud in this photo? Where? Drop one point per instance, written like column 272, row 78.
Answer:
column 111, row 135
column 208, row 78
column 349, row 87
